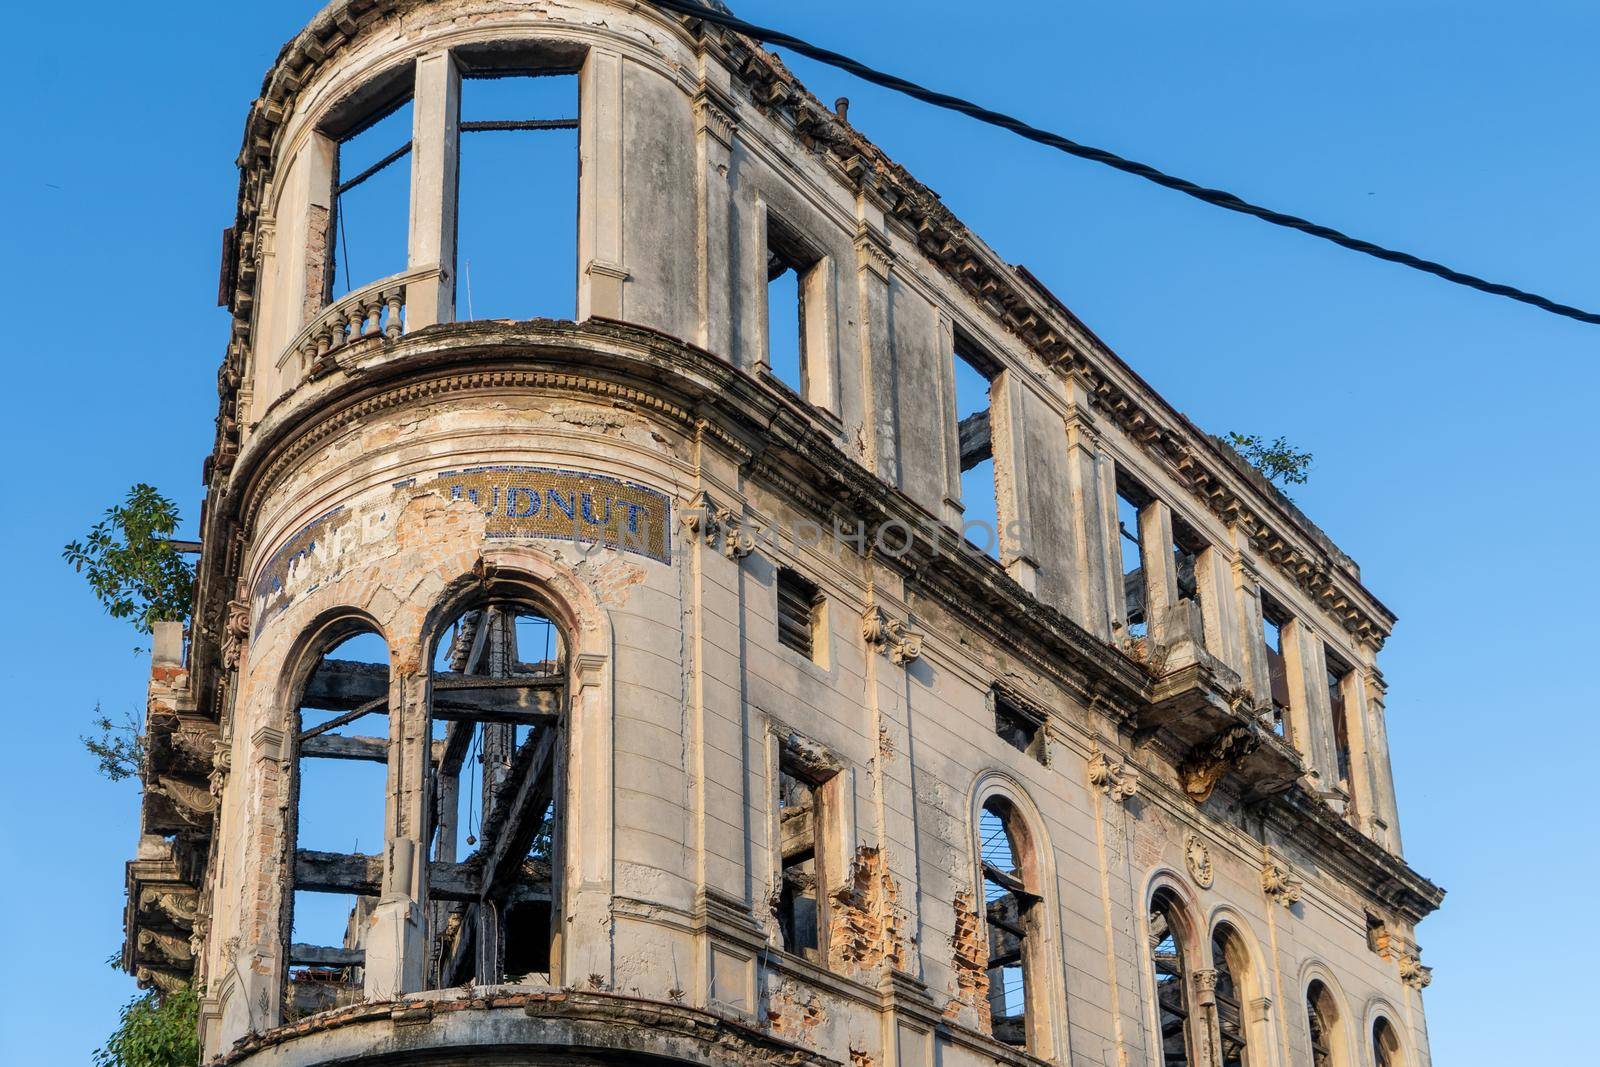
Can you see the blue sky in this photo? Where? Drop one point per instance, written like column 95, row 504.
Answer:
column 1451, row 429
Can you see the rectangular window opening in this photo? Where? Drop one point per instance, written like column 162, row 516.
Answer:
column 517, row 197
column 1018, row 726
column 369, row 232
column 1187, row 547
column 801, row 918
column 975, row 372
column 1273, row 619
column 1338, row 671
column 800, row 605
column 790, row 263
column 1131, row 502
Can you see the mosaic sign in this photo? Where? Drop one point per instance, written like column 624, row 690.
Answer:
column 567, row 505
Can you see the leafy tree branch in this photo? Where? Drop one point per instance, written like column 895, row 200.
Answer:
column 155, row 1030
column 1279, row 461
column 130, row 561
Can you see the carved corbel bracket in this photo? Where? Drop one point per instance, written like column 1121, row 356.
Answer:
column 890, row 636
column 1208, row 761
column 236, row 629
column 1205, row 987
column 718, row 527
column 1115, row 779
column 194, row 804
column 1278, row 884
column 1413, row 973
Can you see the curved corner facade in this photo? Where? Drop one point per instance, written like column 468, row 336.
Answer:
column 803, row 643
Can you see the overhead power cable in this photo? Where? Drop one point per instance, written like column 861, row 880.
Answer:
column 1216, row 197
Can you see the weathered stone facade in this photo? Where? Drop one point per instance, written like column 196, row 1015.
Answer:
column 750, row 831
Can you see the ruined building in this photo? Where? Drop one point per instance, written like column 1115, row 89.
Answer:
column 603, row 650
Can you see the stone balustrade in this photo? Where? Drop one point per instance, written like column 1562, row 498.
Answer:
column 373, row 312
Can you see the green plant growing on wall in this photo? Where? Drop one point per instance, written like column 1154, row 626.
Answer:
column 131, row 563
column 138, row 574
column 155, row 1030
column 1279, row 461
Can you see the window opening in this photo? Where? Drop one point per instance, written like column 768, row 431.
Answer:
column 1385, row 1044
column 1008, row 905
column 1337, row 673
column 975, row 372
column 498, row 703
column 1187, row 547
column 340, row 794
column 1018, row 726
column 1230, row 1002
column 799, row 604
column 800, row 893
column 1321, row 1018
column 1273, row 620
column 372, row 203
column 1172, row 993
column 790, row 263
column 1131, row 501
column 517, row 196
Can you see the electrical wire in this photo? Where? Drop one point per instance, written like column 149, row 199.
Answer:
column 1215, row 197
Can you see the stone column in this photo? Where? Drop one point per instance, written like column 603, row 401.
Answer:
column 1007, row 429
column 1214, row 578
column 1160, row 571
column 396, row 936
column 435, row 143
column 1354, row 690
column 1310, row 716
column 715, row 131
column 879, row 403
column 1085, row 515
column 1386, row 822
column 600, row 249
column 1253, row 663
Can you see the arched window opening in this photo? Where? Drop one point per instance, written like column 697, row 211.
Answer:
column 369, row 232
column 517, row 196
column 1229, row 959
column 1385, row 1045
column 1010, row 905
column 498, row 704
column 339, row 792
column 1322, row 1016
column 1171, row 981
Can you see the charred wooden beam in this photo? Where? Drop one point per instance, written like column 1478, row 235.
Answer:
column 513, row 824
column 362, row 876
column 976, row 439
column 323, row 956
